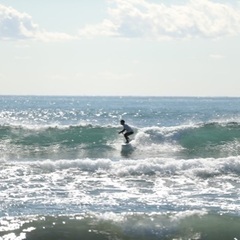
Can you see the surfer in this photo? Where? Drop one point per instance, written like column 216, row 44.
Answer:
column 128, row 130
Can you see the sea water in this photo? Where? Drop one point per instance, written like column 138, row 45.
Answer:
column 64, row 173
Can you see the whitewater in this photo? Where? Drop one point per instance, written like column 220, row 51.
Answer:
column 64, row 173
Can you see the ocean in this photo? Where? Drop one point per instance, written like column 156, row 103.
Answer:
column 65, row 173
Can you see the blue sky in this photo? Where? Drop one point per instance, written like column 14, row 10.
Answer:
column 120, row 47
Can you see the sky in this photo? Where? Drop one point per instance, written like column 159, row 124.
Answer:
column 120, row 47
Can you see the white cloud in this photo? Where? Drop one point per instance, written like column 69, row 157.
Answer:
column 15, row 25
column 142, row 19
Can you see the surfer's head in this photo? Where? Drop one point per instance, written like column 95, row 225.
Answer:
column 122, row 122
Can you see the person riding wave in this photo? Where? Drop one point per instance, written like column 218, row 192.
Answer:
column 127, row 129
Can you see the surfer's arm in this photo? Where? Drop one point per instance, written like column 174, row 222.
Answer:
column 121, row 131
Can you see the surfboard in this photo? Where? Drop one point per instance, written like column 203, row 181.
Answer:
column 131, row 143
column 126, row 144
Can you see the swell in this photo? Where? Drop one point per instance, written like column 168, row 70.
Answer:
column 45, row 136
column 212, row 140
column 204, row 140
column 20, row 142
column 210, row 133
column 81, row 141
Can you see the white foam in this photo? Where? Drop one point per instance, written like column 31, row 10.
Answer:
column 83, row 164
column 185, row 214
column 190, row 167
column 106, row 184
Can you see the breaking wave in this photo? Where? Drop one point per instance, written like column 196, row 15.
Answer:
column 82, row 141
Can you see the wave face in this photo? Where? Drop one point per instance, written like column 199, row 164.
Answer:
column 71, row 142
column 66, row 174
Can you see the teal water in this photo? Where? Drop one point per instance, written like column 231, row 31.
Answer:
column 64, row 173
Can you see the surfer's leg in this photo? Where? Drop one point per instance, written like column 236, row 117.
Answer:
column 126, row 136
